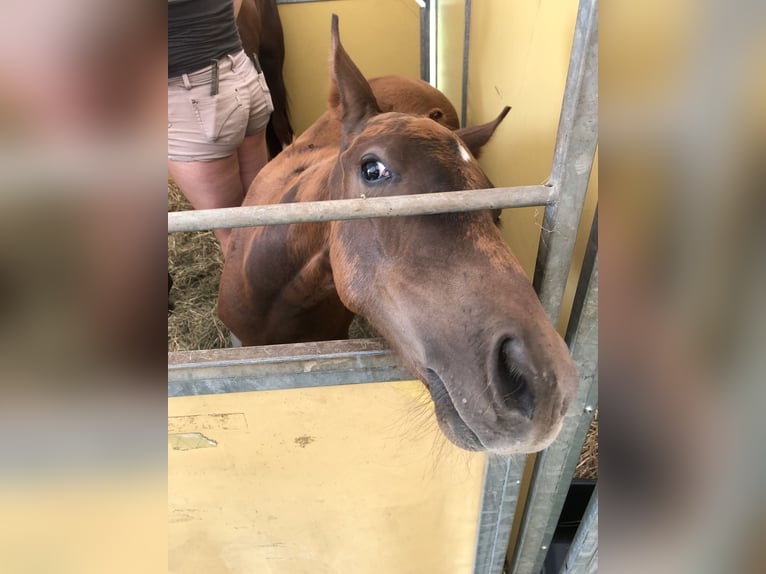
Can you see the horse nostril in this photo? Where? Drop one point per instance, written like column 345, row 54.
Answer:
column 513, row 386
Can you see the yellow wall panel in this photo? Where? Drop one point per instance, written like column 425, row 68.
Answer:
column 519, row 55
column 329, row 480
column 449, row 77
column 382, row 37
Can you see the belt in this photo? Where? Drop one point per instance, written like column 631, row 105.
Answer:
column 210, row 74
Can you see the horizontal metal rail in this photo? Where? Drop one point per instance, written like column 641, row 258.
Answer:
column 299, row 1
column 275, row 367
column 362, row 208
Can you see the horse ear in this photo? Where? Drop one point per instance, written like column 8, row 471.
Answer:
column 476, row 136
column 351, row 97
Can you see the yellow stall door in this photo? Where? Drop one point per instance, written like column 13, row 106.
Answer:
column 354, row 479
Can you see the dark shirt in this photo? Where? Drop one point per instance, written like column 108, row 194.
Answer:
column 199, row 31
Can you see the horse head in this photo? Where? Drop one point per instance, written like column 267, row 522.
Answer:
column 444, row 290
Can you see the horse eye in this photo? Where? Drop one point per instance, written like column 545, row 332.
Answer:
column 374, row 170
column 436, row 115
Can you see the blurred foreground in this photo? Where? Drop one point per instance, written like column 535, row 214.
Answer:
column 682, row 142
column 83, row 287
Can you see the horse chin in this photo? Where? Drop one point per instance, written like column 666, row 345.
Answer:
column 450, row 422
column 458, row 431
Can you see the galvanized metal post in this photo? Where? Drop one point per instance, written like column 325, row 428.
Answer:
column 464, row 80
column 425, row 44
column 502, row 479
column 586, row 270
column 582, row 557
column 572, row 162
column 573, row 159
column 554, row 467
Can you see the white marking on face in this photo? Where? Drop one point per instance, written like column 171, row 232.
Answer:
column 464, row 153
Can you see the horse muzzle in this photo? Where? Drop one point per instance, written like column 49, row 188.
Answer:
column 514, row 403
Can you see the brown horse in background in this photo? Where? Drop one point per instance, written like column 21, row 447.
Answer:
column 444, row 290
column 261, row 32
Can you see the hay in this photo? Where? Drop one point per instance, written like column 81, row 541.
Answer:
column 194, row 263
column 587, row 466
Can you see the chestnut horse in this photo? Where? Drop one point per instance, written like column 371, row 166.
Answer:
column 444, row 290
column 261, row 32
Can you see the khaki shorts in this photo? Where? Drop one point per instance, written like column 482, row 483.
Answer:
column 205, row 127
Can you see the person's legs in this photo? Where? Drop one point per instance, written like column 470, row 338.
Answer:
column 217, row 143
column 210, row 185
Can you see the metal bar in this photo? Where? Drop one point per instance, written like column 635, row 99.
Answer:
column 274, row 367
column 582, row 557
column 589, row 260
column 502, row 479
column 298, row 1
column 425, row 40
column 433, row 41
column 466, row 47
column 500, row 494
column 572, row 162
column 554, row 467
column 422, row 204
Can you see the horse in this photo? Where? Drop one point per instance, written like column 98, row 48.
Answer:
column 260, row 30
column 445, row 291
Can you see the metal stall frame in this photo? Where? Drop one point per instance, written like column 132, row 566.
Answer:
column 365, row 361
column 582, row 557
